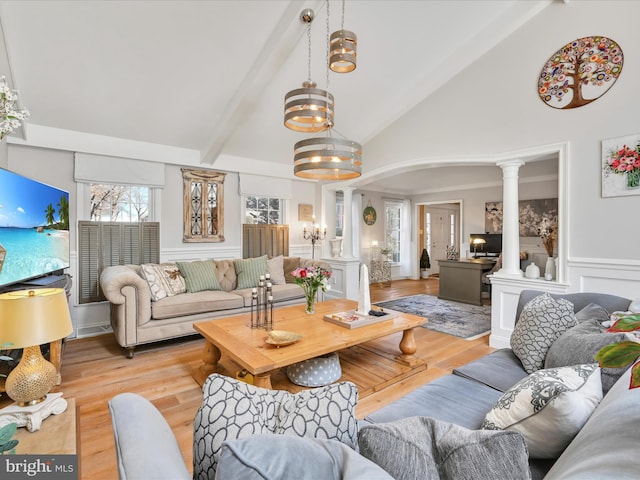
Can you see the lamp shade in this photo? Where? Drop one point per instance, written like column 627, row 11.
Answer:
column 343, row 51
column 33, row 317
column 327, row 158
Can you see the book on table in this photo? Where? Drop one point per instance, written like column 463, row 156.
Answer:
column 354, row 319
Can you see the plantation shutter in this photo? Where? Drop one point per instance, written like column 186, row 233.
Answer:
column 104, row 244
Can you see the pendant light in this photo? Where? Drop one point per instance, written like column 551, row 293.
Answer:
column 343, row 46
column 327, row 158
column 308, row 109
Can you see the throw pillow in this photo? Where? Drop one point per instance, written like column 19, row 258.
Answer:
column 164, row 279
column 427, row 448
column 276, row 270
column 548, row 407
column 542, row 321
column 299, row 458
column 249, row 271
column 580, row 345
column 593, row 311
column 200, row 275
column 233, row 409
column 290, row 264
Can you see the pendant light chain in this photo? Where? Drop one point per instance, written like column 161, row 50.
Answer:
column 328, row 42
column 342, row 22
column 309, row 52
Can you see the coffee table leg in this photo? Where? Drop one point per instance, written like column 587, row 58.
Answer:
column 210, row 358
column 263, row 380
column 408, row 347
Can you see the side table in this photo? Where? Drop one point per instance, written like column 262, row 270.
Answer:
column 58, row 435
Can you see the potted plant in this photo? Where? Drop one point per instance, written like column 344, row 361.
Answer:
column 621, row 354
column 425, row 263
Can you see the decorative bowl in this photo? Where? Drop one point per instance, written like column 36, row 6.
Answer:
column 280, row 338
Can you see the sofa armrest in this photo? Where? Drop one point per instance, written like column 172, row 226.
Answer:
column 145, row 444
column 113, row 279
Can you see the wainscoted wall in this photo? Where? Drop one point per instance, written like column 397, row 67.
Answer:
column 584, row 275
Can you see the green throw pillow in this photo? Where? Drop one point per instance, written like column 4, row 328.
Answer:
column 249, row 271
column 199, row 275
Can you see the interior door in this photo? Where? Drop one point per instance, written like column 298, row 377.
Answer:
column 442, row 224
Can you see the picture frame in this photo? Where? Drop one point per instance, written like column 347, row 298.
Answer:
column 531, row 213
column 305, row 212
column 621, row 166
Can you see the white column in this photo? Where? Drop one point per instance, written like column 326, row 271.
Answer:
column 347, row 224
column 510, row 220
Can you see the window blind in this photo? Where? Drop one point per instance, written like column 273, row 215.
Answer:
column 263, row 186
column 91, row 168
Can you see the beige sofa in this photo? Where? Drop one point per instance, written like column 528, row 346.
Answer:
column 136, row 319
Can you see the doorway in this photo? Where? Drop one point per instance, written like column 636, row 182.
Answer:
column 441, row 230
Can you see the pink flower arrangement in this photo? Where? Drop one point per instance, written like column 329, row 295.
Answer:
column 626, row 161
column 311, row 279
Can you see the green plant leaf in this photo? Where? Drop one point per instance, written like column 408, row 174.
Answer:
column 7, row 432
column 635, row 376
column 628, row 323
column 8, row 447
column 618, row 355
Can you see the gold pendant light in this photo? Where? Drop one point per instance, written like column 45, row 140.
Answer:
column 343, row 49
column 327, row 158
column 308, row 109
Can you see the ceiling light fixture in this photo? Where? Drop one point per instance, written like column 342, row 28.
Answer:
column 327, row 158
column 343, row 46
column 308, row 109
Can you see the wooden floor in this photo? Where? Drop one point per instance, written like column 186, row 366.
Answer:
column 96, row 369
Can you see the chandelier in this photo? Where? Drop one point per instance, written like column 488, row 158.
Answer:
column 343, row 46
column 308, row 109
column 327, row 158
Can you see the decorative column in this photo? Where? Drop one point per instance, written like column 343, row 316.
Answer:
column 347, row 224
column 510, row 220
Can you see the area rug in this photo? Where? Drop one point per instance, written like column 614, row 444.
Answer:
column 453, row 318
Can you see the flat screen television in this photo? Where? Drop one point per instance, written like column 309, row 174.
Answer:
column 34, row 229
column 492, row 245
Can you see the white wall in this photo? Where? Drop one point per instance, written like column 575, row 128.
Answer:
column 493, row 107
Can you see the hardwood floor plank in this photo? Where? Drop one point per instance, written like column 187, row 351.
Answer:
column 95, row 369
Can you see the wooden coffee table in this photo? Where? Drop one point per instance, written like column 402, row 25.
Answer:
column 233, row 337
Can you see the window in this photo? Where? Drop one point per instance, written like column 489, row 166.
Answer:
column 339, row 213
column 119, row 203
column 119, row 232
column 264, row 210
column 392, row 228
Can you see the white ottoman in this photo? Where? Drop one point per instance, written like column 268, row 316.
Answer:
column 316, row 372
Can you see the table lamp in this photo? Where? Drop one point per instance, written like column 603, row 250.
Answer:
column 28, row 319
column 476, row 242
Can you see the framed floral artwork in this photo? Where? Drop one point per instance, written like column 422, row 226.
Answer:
column 621, row 166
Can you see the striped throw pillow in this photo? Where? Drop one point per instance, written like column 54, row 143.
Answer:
column 200, row 275
column 249, row 271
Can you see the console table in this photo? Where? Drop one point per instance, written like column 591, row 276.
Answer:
column 461, row 280
column 380, row 272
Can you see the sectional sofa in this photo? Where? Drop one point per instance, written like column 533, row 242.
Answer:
column 435, row 431
column 155, row 302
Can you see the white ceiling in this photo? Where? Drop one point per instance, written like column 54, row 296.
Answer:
column 211, row 75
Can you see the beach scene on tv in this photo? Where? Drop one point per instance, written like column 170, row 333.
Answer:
column 34, row 228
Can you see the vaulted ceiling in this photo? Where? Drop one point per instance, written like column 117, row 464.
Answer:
column 211, row 75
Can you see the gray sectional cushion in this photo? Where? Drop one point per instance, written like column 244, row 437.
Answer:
column 500, row 370
column 429, row 449
column 233, row 409
column 252, row 458
column 580, row 300
column 541, row 322
column 447, row 399
column 580, row 345
column 192, row 303
column 607, row 445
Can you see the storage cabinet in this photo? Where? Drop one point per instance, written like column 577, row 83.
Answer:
column 265, row 239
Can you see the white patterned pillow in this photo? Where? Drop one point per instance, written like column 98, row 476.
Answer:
column 542, row 321
column 164, row 279
column 549, row 407
column 233, row 409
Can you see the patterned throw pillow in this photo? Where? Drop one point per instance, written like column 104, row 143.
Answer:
column 249, row 271
column 431, row 449
column 164, row 279
column 200, row 275
column 542, row 321
column 276, row 270
column 548, row 407
column 233, row 409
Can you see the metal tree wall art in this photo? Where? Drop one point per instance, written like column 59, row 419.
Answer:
column 580, row 72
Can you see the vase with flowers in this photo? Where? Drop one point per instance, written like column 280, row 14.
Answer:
column 625, row 161
column 547, row 230
column 312, row 279
column 10, row 116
